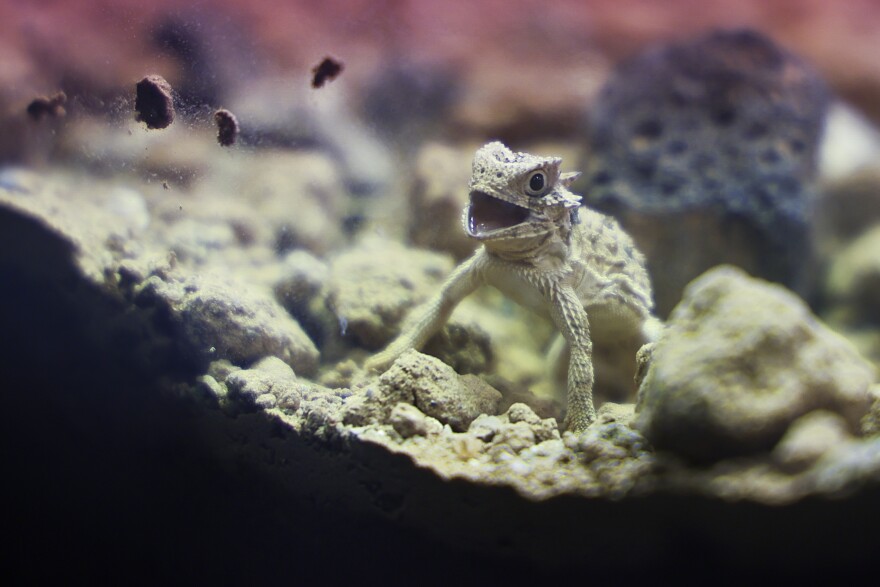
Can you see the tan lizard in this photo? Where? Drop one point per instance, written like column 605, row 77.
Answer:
column 544, row 251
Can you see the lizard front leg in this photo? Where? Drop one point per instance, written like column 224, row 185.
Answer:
column 571, row 319
column 430, row 317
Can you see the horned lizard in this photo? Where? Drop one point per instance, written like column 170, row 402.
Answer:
column 544, row 251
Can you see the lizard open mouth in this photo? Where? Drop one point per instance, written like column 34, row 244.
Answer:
column 486, row 214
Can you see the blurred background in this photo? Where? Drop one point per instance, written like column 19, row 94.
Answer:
column 517, row 68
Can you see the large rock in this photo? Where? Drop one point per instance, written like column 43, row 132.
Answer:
column 739, row 361
column 431, row 386
column 714, row 141
column 216, row 318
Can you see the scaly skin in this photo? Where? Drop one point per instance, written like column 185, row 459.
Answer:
column 540, row 248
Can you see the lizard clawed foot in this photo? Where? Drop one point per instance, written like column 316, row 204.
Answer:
column 576, row 423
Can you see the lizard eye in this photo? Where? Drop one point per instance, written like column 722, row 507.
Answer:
column 536, row 183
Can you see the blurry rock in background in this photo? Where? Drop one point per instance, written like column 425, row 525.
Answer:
column 408, row 101
column 706, row 151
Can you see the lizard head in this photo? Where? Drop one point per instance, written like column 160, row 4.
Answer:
column 517, row 196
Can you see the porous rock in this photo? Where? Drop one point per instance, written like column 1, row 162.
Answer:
column 431, row 386
column 738, row 362
column 719, row 133
column 439, row 392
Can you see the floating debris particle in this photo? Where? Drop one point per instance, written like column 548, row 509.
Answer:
column 47, row 107
column 154, row 104
column 326, row 71
column 227, row 127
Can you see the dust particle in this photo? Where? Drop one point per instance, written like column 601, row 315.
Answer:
column 227, row 127
column 154, row 104
column 325, row 71
column 47, row 107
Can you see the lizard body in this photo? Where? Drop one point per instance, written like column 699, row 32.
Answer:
column 570, row 264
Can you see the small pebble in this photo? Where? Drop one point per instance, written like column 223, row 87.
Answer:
column 326, row 71
column 154, row 103
column 409, row 421
column 227, row 127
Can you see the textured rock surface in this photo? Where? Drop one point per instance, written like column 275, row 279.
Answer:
column 220, row 319
column 739, row 361
column 372, row 285
column 721, row 133
column 407, row 420
column 430, row 385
